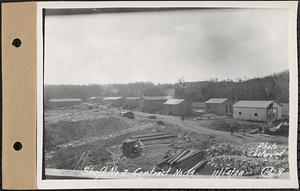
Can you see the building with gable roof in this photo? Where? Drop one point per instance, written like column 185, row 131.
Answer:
column 152, row 104
column 63, row 102
column 176, row 107
column 114, row 101
column 257, row 110
column 221, row 106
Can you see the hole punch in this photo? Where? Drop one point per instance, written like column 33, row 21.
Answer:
column 17, row 146
column 17, row 42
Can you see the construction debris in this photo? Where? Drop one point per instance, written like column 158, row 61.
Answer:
column 155, row 138
column 160, row 123
column 79, row 137
column 152, row 117
column 131, row 148
column 128, row 114
column 280, row 129
column 254, row 131
column 82, row 161
column 186, row 160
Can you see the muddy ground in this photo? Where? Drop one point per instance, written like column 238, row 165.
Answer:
column 91, row 135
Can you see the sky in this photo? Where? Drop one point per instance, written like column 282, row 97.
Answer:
column 161, row 47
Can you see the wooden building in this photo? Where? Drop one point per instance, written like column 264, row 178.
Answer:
column 285, row 109
column 257, row 110
column 152, row 103
column 55, row 103
column 95, row 99
column 177, row 107
column 114, row 101
column 132, row 102
column 222, row 106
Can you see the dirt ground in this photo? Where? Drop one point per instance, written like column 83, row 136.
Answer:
column 98, row 131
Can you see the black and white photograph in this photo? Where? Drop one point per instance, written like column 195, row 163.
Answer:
column 167, row 92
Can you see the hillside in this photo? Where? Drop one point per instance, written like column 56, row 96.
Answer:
column 272, row 87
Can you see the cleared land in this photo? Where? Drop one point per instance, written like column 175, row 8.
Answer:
column 91, row 135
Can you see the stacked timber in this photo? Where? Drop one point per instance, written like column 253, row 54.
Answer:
column 155, row 138
column 186, row 160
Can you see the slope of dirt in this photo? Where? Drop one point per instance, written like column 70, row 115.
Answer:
column 71, row 131
column 66, row 131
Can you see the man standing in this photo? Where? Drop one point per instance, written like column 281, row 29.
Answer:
column 260, row 128
column 236, row 126
column 243, row 128
column 231, row 129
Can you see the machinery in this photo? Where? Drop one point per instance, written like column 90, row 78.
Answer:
column 132, row 148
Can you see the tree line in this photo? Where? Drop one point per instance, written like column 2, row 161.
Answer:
column 272, row 87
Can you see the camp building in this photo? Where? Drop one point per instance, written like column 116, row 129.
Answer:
column 132, row 102
column 54, row 103
column 114, row 101
column 152, row 103
column 95, row 99
column 285, row 109
column 222, row 106
column 257, row 110
column 176, row 107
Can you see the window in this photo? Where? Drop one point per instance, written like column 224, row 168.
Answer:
column 240, row 113
column 255, row 114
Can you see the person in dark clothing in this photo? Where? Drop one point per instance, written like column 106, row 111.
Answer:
column 243, row 128
column 231, row 129
column 260, row 128
column 237, row 128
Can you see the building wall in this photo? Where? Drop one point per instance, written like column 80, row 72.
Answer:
column 246, row 113
column 132, row 103
column 219, row 108
column 116, row 102
column 179, row 109
column 279, row 110
column 96, row 100
column 63, row 103
column 285, row 109
column 151, row 105
column 215, row 108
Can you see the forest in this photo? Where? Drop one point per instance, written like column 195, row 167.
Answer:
column 272, row 87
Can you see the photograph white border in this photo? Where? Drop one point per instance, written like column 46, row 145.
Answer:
column 292, row 182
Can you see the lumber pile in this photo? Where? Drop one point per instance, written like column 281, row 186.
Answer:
column 186, row 160
column 154, row 138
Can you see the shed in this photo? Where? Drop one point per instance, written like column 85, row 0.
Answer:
column 285, row 109
column 152, row 103
column 177, row 107
column 54, row 103
column 114, row 101
column 222, row 106
column 257, row 110
column 95, row 99
column 132, row 102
